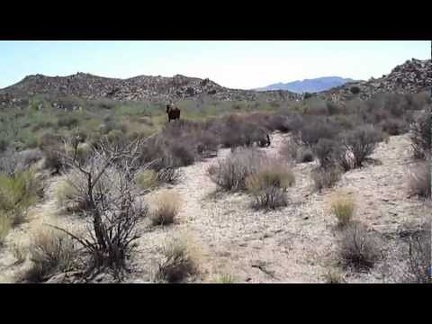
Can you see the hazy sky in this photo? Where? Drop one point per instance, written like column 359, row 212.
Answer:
column 235, row 64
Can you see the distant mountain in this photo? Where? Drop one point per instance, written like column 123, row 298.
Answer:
column 308, row 85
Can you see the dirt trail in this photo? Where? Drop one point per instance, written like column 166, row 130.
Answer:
column 296, row 243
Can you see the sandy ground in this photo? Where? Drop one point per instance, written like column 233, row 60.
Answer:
column 295, row 244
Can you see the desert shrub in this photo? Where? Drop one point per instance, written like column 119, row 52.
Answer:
column 20, row 252
column 313, row 131
column 53, row 147
column 4, row 144
column 420, row 180
column 68, row 121
column 419, row 256
column 5, row 226
column 421, row 131
column 268, row 185
column 70, row 193
column 326, row 150
column 343, row 208
column 8, row 162
column 344, row 159
column 168, row 175
column 114, row 208
column 182, row 154
column 270, row 174
column 147, row 179
column 334, row 277
column 393, row 126
column 50, row 253
column 332, row 108
column 361, row 143
column 358, row 248
column 17, row 194
column 225, row 279
column 293, row 151
column 325, row 178
column 317, row 107
column 167, row 206
column 355, row 90
column 230, row 173
column 279, row 122
column 180, row 262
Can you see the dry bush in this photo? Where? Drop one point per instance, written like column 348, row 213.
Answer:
column 51, row 252
column 230, row 173
column 168, row 175
column 361, row 142
column 344, row 159
column 314, row 130
column 343, row 207
column 279, row 122
column 419, row 181
column 5, row 226
column 113, row 205
column 181, row 262
column 268, row 185
column 167, row 206
column 8, row 162
column 17, row 193
column 358, row 248
column 269, row 198
column 71, row 193
column 292, row 151
column 20, row 253
column 147, row 179
column 325, row 178
column 225, row 278
column 421, row 135
column 334, row 277
column 326, row 150
column 419, row 256
column 393, row 126
column 238, row 131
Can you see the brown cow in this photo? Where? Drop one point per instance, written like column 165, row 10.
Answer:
column 173, row 112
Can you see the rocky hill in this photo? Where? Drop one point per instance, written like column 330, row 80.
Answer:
column 412, row 77
column 140, row 88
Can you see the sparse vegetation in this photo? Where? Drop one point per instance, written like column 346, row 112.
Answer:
column 333, row 276
column 361, row 143
column 17, row 193
column 419, row 256
column 268, row 185
column 94, row 147
column 147, row 179
column 325, row 178
column 180, row 262
column 112, row 203
column 167, row 204
column 421, row 133
column 343, row 207
column 225, row 279
column 230, row 174
column 420, row 180
column 51, row 252
column 358, row 248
